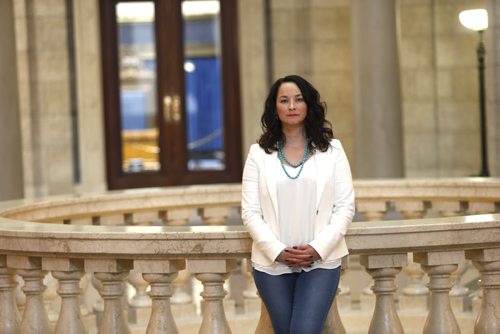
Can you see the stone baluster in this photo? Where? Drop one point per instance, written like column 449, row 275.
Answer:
column 84, row 290
column 459, row 292
column 477, row 208
column 98, row 307
column 140, row 302
column 439, row 266
column 181, row 299
column 383, row 269
column 35, row 319
column 411, row 209
column 415, row 293
column 140, row 298
column 372, row 210
column 343, row 297
column 333, row 323
column 175, row 217
column 264, row 326
column 447, row 208
column 215, row 215
column 68, row 272
column 10, row 320
column 112, row 274
column 212, row 274
column 20, row 296
column 487, row 261
column 250, row 295
column 144, row 218
column 180, row 285
column 160, row 274
column 50, row 296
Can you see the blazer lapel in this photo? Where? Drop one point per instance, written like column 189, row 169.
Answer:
column 270, row 162
column 322, row 169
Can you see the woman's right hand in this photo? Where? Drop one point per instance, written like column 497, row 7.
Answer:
column 295, row 257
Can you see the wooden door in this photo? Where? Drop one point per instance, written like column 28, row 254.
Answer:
column 171, row 92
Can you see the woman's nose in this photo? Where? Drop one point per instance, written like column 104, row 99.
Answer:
column 291, row 105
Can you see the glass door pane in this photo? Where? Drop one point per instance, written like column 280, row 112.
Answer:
column 137, row 86
column 203, row 81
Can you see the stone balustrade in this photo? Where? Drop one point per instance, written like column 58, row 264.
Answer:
column 106, row 236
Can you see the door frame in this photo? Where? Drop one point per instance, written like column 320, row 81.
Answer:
column 173, row 162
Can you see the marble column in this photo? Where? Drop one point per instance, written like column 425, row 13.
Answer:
column 44, row 96
column 493, row 85
column 89, row 95
column 253, row 66
column 376, row 90
column 11, row 174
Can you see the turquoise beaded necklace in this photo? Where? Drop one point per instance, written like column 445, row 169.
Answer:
column 283, row 160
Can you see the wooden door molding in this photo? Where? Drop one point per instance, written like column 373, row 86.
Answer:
column 170, row 73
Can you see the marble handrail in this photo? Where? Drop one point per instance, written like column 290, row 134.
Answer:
column 68, row 236
column 393, row 236
column 111, row 251
column 372, row 196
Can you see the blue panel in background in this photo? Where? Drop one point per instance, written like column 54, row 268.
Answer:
column 203, row 103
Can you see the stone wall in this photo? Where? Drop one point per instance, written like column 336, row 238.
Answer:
column 312, row 38
column 44, row 96
column 438, row 76
column 493, row 84
column 440, row 89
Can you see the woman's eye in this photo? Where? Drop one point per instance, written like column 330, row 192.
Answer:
column 283, row 101
column 299, row 99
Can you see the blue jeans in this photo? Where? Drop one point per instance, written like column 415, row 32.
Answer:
column 298, row 303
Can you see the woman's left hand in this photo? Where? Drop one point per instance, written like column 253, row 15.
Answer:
column 302, row 256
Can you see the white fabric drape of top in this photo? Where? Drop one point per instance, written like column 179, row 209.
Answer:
column 297, row 210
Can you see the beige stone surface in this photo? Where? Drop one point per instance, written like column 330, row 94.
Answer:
column 312, row 38
column 493, row 84
column 254, row 69
column 217, row 248
column 44, row 80
column 11, row 174
column 89, row 96
column 415, row 303
column 438, row 67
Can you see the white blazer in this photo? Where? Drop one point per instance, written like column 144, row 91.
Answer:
column 334, row 203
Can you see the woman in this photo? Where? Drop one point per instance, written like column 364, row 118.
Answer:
column 297, row 201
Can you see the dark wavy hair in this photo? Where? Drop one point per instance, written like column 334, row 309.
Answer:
column 318, row 128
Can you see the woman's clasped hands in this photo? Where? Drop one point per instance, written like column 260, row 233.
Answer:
column 298, row 256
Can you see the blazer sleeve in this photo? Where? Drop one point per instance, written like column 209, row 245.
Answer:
column 251, row 210
column 343, row 208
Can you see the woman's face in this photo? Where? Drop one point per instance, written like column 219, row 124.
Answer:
column 290, row 105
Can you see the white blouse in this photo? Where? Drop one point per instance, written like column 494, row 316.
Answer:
column 296, row 211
